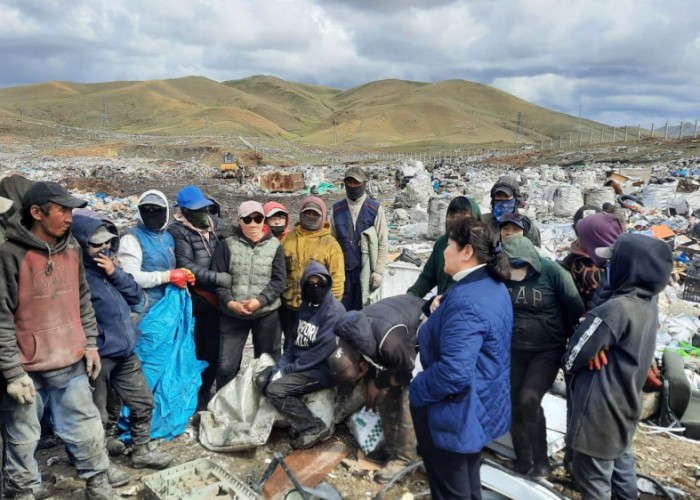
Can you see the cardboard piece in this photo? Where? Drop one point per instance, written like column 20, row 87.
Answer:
column 662, row 231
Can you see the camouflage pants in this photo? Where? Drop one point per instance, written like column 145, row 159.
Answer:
column 394, row 410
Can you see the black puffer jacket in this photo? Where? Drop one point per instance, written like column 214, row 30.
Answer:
column 194, row 252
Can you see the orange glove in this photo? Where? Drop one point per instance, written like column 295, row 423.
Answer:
column 653, row 379
column 599, row 360
column 190, row 276
column 179, row 278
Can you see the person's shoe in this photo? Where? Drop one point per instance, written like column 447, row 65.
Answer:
column 143, row 457
column 98, row 488
column 540, row 471
column 387, row 473
column 522, row 467
column 117, row 477
column 115, row 447
column 315, row 435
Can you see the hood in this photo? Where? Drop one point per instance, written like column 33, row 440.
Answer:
column 521, row 248
column 476, row 211
column 86, row 222
column 13, row 187
column 316, row 268
column 640, row 264
column 165, row 202
column 20, row 234
column 507, row 181
column 356, row 329
column 598, row 230
column 318, row 201
column 271, row 205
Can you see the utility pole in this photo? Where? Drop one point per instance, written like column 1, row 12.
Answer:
column 105, row 112
column 335, row 133
column 519, row 128
column 21, row 110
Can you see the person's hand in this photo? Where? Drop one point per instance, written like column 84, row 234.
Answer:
column 93, row 364
column 190, row 276
column 251, row 305
column 179, row 278
column 375, row 281
column 22, row 390
column 599, row 360
column 238, row 308
column 104, row 263
column 370, row 392
column 435, row 303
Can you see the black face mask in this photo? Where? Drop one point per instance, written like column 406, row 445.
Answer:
column 313, row 293
column 277, row 230
column 198, row 218
column 355, row 193
column 153, row 217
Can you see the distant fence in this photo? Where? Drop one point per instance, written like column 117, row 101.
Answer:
column 281, row 150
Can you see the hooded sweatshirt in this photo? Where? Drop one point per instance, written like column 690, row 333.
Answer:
column 272, row 205
column 46, row 318
column 546, row 304
column 13, row 187
column 113, row 295
column 148, row 254
column 301, row 247
column 606, row 404
column 598, row 230
column 532, row 232
column 314, row 339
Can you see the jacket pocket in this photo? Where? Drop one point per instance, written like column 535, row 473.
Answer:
column 54, row 348
column 449, row 417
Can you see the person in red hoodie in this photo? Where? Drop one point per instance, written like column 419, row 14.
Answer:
column 277, row 219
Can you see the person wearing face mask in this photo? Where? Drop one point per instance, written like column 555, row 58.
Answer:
column 350, row 218
column 147, row 252
column 304, row 366
column 433, row 273
column 546, row 308
column 506, row 199
column 277, row 219
column 254, row 259
column 311, row 240
column 196, row 233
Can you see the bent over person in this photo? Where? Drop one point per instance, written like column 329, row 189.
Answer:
column 48, row 343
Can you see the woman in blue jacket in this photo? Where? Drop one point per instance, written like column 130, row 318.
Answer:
column 461, row 399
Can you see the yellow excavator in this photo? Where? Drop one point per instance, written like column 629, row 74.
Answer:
column 229, row 166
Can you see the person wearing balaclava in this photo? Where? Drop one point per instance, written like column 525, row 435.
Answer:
column 277, row 219
column 147, row 251
column 310, row 240
column 433, row 273
column 196, row 233
column 351, row 217
column 254, row 260
column 304, row 366
column 506, row 199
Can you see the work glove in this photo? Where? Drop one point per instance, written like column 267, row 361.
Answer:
column 375, row 281
column 22, row 390
column 93, row 365
column 180, row 278
column 599, row 360
column 190, row 276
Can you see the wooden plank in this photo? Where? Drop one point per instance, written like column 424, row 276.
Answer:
column 308, row 466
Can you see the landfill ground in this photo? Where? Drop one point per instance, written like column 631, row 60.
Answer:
column 110, row 175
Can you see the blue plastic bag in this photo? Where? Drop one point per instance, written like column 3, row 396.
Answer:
column 170, row 364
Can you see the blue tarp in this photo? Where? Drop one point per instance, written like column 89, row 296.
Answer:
column 170, row 364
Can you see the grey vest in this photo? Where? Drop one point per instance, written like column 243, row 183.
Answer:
column 251, row 269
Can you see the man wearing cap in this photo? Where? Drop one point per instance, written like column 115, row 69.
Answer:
column 147, row 252
column 511, row 225
column 350, row 218
column 48, row 342
column 197, row 234
column 506, row 199
column 277, row 219
column 254, row 259
column 310, row 240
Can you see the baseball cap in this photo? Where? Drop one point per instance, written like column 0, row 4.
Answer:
column 192, row 198
column 517, row 219
column 507, row 190
column 276, row 211
column 250, row 207
column 44, row 192
column 5, row 204
column 101, row 235
column 313, row 207
column 604, row 252
column 356, row 173
column 153, row 199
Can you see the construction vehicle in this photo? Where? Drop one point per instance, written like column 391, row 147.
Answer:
column 230, row 169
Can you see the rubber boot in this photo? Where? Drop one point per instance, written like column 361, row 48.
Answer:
column 98, row 488
column 143, row 457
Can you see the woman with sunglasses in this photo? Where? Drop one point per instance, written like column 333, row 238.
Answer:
column 255, row 260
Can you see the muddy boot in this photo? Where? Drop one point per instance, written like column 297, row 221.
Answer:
column 117, row 477
column 387, row 473
column 310, row 437
column 98, row 488
column 115, row 447
column 142, row 457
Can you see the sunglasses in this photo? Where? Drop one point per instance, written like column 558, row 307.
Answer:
column 315, row 284
column 258, row 218
column 98, row 245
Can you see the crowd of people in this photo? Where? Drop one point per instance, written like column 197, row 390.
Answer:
column 448, row 371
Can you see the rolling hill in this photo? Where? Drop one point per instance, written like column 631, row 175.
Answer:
column 381, row 114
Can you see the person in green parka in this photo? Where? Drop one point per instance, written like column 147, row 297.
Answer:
column 546, row 308
column 433, row 273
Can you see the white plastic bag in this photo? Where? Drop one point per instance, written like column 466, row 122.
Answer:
column 366, row 427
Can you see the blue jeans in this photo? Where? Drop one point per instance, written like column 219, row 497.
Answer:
column 74, row 418
column 597, row 478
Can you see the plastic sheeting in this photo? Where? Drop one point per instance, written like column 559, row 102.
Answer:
column 567, row 199
column 658, row 195
column 599, row 196
column 169, row 362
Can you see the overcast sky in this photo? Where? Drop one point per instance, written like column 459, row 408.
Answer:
column 620, row 62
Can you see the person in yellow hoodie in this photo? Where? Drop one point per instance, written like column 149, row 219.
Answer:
column 310, row 240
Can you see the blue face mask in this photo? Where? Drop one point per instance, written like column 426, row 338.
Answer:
column 501, row 207
column 518, row 263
